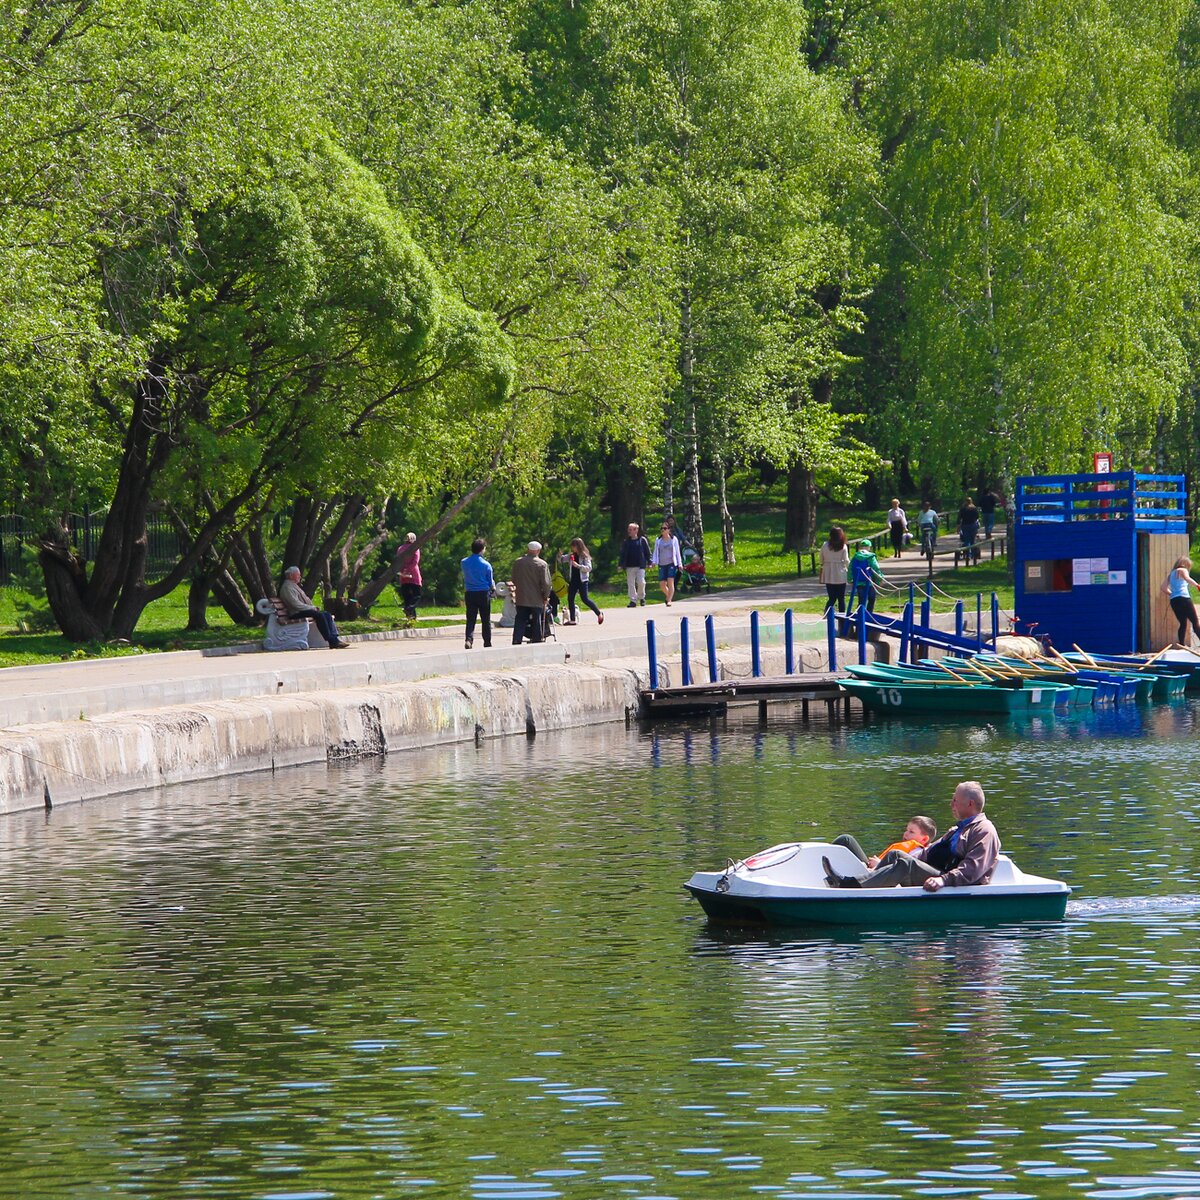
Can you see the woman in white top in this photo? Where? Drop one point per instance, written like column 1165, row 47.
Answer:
column 898, row 526
column 1175, row 587
column 835, row 564
column 666, row 557
column 581, row 573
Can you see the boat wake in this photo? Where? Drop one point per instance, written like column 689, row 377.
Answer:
column 1102, row 908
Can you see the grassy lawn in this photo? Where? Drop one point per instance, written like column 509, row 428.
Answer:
column 162, row 627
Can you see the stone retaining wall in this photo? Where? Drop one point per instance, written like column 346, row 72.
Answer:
column 109, row 753
column 68, row 761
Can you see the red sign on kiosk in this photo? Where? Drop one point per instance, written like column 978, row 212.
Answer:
column 1102, row 465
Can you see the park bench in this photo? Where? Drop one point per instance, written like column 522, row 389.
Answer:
column 285, row 632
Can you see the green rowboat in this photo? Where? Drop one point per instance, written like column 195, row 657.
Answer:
column 900, row 695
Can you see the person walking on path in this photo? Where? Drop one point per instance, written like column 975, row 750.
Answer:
column 480, row 585
column 581, row 572
column 410, row 576
column 835, row 569
column 1175, row 588
column 635, row 558
column 668, row 558
column 864, row 574
column 897, row 524
column 299, row 605
column 531, row 588
column 987, row 506
column 968, row 529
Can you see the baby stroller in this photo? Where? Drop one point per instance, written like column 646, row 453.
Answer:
column 693, row 577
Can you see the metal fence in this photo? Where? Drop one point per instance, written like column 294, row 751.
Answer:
column 85, row 529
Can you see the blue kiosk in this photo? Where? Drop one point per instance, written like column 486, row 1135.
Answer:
column 1091, row 552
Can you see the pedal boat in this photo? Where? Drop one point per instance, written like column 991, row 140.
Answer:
column 786, row 885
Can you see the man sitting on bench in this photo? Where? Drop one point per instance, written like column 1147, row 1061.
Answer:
column 299, row 605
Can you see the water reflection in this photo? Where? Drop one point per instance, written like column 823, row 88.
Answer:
column 474, row 972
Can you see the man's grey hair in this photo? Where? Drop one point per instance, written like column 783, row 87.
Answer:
column 972, row 791
column 290, row 571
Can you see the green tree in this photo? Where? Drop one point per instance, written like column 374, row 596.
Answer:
column 711, row 109
column 1038, row 261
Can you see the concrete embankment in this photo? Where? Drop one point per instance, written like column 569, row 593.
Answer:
column 112, row 752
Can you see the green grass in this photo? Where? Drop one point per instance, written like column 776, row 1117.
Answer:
column 162, row 627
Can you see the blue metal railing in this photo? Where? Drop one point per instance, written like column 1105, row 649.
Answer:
column 1152, row 502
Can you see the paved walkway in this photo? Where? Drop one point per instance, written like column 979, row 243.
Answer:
column 79, row 690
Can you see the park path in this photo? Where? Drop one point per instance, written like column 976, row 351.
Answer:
column 84, row 689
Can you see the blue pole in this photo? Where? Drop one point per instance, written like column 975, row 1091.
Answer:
column 789, row 646
column 862, row 631
column 926, row 603
column 958, row 618
column 831, row 635
column 755, row 653
column 979, row 618
column 652, row 651
column 905, row 631
column 995, row 620
column 912, row 588
column 685, row 652
column 710, row 636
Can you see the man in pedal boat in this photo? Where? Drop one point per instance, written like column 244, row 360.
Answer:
column 964, row 856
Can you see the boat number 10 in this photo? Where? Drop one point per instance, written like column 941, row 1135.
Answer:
column 891, row 696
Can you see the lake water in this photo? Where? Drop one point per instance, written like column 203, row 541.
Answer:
column 474, row 972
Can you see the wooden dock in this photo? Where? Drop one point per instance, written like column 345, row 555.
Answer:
column 713, row 698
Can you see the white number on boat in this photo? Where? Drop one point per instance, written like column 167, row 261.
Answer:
column 892, row 696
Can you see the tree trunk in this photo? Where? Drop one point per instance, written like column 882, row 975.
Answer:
column 66, row 586
column 198, row 591
column 118, row 572
column 231, row 598
column 626, row 490
column 726, row 516
column 693, row 518
column 693, row 515
column 250, row 569
column 668, row 466
column 800, row 521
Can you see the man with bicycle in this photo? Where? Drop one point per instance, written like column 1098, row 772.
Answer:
column 927, row 523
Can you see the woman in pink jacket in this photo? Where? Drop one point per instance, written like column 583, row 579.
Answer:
column 410, row 576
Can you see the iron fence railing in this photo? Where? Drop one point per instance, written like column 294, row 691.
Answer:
column 84, row 529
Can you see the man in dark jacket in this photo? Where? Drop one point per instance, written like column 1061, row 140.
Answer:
column 964, row 856
column 635, row 558
column 531, row 591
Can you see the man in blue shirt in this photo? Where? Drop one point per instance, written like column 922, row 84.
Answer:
column 479, row 584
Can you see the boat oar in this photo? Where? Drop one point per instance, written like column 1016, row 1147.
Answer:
column 1146, row 665
column 954, row 675
column 1090, row 660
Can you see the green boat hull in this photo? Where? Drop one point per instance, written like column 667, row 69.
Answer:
column 1168, row 687
column 922, row 910
column 899, row 697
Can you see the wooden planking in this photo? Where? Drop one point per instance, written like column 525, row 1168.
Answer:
column 1157, row 553
column 696, row 697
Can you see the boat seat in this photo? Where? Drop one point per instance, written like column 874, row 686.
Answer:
column 1005, row 871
